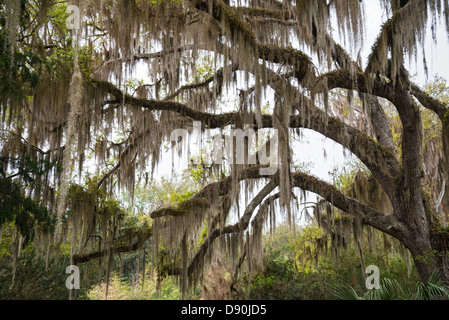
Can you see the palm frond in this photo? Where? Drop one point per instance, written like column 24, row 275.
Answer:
column 389, row 289
column 346, row 292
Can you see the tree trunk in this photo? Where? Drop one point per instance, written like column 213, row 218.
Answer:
column 429, row 254
column 428, row 261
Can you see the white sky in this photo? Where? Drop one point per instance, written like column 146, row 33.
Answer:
column 437, row 55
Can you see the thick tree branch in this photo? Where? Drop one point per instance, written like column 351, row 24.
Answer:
column 356, row 80
column 240, row 226
column 387, row 223
column 211, row 191
column 380, row 161
column 140, row 238
column 379, row 122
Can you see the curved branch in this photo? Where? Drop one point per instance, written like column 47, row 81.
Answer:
column 108, row 174
column 387, row 223
column 211, row 191
column 137, row 244
column 381, row 161
column 237, row 227
column 356, row 80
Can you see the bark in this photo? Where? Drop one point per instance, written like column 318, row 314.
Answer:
column 379, row 122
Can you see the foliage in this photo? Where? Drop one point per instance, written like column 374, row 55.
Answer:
column 15, row 206
column 34, row 279
column 433, row 289
column 290, row 272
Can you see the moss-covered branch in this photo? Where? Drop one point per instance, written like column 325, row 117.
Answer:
column 213, row 190
column 135, row 244
column 212, row 120
column 380, row 160
column 430, row 103
column 241, row 32
column 387, row 223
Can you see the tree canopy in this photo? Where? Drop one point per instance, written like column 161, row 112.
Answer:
column 83, row 137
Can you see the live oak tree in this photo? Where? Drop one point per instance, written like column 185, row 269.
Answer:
column 65, row 98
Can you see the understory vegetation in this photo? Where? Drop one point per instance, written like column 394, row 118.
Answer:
column 292, row 270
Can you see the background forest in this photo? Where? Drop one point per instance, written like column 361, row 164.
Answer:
column 112, row 113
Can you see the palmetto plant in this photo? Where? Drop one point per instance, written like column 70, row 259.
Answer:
column 433, row 289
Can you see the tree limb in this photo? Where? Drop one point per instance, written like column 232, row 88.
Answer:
column 211, row 191
column 387, row 223
column 141, row 238
column 380, row 161
column 237, row 227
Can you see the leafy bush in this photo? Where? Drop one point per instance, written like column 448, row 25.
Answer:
column 120, row 289
column 293, row 268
